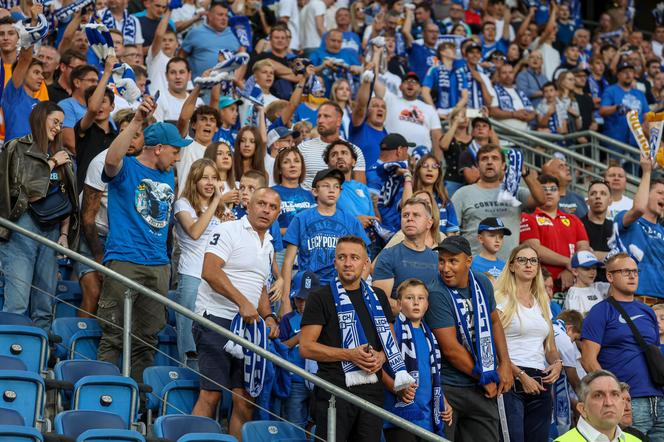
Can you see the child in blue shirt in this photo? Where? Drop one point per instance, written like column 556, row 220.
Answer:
column 490, row 234
column 422, row 358
column 296, row 407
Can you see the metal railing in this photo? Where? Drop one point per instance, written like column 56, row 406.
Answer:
column 586, row 160
column 334, row 390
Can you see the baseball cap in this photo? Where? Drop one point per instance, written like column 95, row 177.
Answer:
column 226, row 101
column 471, row 46
column 480, row 120
column 493, row 224
column 303, row 284
column 278, row 133
column 585, row 259
column 624, row 65
column 411, row 74
column 327, row 173
column 164, row 133
column 454, row 245
column 394, row 141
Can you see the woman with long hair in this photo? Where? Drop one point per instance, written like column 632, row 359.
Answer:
column 523, row 306
column 358, row 18
column 427, row 176
column 433, row 236
column 569, row 107
column 197, row 212
column 39, row 193
column 249, row 152
column 289, row 173
column 342, row 94
column 455, row 141
column 221, row 154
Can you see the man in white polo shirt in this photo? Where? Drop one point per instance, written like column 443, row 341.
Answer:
column 236, row 268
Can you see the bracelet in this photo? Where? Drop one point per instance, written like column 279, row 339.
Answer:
column 520, row 373
column 64, row 234
column 407, row 175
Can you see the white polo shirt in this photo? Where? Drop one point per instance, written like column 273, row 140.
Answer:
column 246, row 263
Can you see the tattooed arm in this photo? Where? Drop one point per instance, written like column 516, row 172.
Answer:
column 89, row 209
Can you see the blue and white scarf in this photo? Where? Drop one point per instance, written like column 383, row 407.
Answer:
column 475, row 97
column 253, row 95
column 254, row 365
column 473, row 148
column 392, row 182
column 101, row 44
column 241, row 28
column 505, row 101
column 562, row 411
column 446, row 90
column 128, row 24
column 482, row 347
column 510, row 185
column 596, row 88
column 353, row 336
column 404, row 331
column 64, row 14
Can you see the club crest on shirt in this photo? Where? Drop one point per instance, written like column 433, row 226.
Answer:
column 566, row 222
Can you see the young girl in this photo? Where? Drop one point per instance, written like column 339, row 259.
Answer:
column 249, row 152
column 197, row 212
column 427, row 177
column 221, row 154
column 289, row 173
column 342, row 95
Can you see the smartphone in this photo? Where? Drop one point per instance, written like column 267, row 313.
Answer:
column 473, row 113
column 156, row 96
column 518, row 386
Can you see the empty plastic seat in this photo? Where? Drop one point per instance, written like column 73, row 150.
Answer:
column 10, row 417
column 112, row 435
column 68, row 297
column 16, row 433
column 80, row 338
column 12, row 363
column 7, row 318
column 174, row 390
column 175, row 426
column 270, row 431
column 23, row 392
column 27, row 343
column 168, row 344
column 71, row 371
column 93, row 426
column 115, row 394
column 207, row 437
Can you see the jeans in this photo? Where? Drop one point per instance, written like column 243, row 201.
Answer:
column 26, row 262
column 296, row 406
column 528, row 415
column 186, row 297
column 648, row 416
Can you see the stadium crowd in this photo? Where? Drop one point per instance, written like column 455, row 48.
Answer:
column 323, row 178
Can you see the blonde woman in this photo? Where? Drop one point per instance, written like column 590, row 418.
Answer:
column 523, row 306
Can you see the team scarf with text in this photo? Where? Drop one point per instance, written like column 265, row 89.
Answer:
column 505, row 101
column 353, row 336
column 562, row 411
column 510, row 185
column 128, row 24
column 254, row 364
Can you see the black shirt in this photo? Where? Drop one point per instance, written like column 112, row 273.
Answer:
column 598, row 236
column 148, row 29
column 89, row 144
column 586, row 107
column 320, row 310
column 453, row 171
column 56, row 93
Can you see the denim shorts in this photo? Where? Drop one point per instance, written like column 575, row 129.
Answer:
column 84, row 249
column 217, row 367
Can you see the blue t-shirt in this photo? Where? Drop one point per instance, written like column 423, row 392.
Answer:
column 574, row 204
column 140, row 210
column 555, row 309
column 400, row 263
column 289, row 326
column 17, row 105
column 444, row 83
column 355, row 199
column 203, row 44
column 483, row 265
column 615, row 125
column 421, row 58
column 565, row 33
column 316, row 236
column 305, row 113
column 73, row 110
column 442, row 314
column 498, row 45
column 318, row 57
column 227, row 135
column 293, row 201
column 368, row 140
column 275, row 231
column 389, row 204
column 448, row 218
column 620, row 353
column 351, row 42
column 649, row 239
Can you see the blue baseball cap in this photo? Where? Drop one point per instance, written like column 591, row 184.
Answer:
column 585, row 259
column 493, row 224
column 226, row 101
column 303, row 284
column 164, row 133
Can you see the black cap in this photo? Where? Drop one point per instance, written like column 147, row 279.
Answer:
column 480, row 120
column 412, row 74
column 303, row 284
column 394, row 141
column 493, row 224
column 624, row 65
column 327, row 173
column 471, row 46
column 454, row 245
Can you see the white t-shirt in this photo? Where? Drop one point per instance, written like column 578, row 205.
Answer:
column 93, row 179
column 188, row 155
column 288, row 8
column 414, row 119
column 269, row 168
column 516, row 102
column 525, row 337
column 582, row 299
column 308, row 31
column 169, row 107
column 565, row 346
column 246, row 263
column 312, row 151
column 625, row 203
column 191, row 257
column 156, row 66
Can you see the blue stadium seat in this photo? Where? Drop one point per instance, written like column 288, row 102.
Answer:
column 28, row 343
column 170, row 320
column 10, row 417
column 80, row 338
column 168, row 343
column 15, row 433
column 270, row 431
column 207, row 437
column 115, row 394
column 175, row 426
column 112, row 435
column 66, row 293
column 65, row 268
column 174, row 390
column 93, row 426
column 12, row 363
column 23, row 392
column 15, row 319
column 72, row 371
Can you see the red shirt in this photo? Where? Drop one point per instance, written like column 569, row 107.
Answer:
column 472, row 18
column 560, row 234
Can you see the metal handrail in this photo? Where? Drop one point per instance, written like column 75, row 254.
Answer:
column 334, row 390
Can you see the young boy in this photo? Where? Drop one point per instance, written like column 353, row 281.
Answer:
column 659, row 311
column 490, row 234
column 585, row 292
column 228, row 110
column 296, row 408
column 422, row 358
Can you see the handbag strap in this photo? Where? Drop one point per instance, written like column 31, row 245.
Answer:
column 630, row 323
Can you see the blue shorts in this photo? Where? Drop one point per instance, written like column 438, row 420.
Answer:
column 84, row 249
column 217, row 367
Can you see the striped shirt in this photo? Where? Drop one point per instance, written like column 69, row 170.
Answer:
column 312, row 151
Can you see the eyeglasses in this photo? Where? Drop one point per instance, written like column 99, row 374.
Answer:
column 431, row 166
column 550, row 188
column 522, row 260
column 626, row 272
